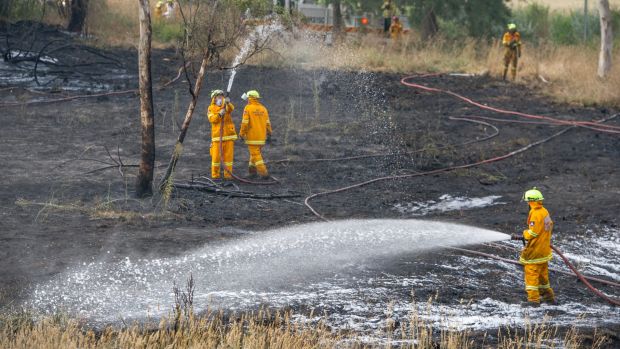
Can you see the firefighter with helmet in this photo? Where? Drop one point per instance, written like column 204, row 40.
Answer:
column 512, row 50
column 255, row 131
column 536, row 253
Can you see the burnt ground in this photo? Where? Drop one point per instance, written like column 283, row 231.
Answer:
column 55, row 214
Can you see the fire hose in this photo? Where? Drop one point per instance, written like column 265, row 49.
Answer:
column 574, row 270
column 586, row 124
column 593, row 125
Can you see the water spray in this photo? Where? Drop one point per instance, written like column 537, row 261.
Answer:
column 597, row 125
column 261, row 32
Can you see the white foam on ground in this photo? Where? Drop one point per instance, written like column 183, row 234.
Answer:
column 596, row 254
column 446, row 203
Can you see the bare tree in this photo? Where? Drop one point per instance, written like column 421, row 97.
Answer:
column 338, row 21
column 604, row 60
column 144, row 182
column 209, row 30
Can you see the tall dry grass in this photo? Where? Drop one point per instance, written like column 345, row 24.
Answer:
column 569, row 71
column 565, row 73
column 260, row 330
column 265, row 329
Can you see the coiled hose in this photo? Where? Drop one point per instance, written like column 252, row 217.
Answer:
column 593, row 125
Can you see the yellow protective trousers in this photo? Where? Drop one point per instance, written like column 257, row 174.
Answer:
column 537, row 282
column 257, row 165
column 228, row 147
column 511, row 57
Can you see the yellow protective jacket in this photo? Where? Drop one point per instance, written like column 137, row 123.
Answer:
column 508, row 38
column 396, row 29
column 387, row 8
column 255, row 125
column 213, row 113
column 538, row 236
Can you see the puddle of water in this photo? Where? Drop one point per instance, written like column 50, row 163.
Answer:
column 446, row 203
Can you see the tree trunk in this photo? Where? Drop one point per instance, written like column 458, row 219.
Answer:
column 144, row 183
column 78, row 15
column 604, row 60
column 429, row 25
column 176, row 154
column 338, row 22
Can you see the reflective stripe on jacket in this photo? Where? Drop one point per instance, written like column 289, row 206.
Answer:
column 255, row 125
column 213, row 113
column 538, row 236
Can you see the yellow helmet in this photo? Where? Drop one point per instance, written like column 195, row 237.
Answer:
column 512, row 26
column 217, row 93
column 159, row 4
column 253, row 94
column 250, row 94
column 533, row 195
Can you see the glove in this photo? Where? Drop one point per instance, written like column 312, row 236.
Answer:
column 227, row 100
column 222, row 112
column 518, row 237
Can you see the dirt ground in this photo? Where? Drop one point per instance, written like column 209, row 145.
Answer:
column 56, row 213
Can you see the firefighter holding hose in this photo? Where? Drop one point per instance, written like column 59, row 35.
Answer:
column 256, row 131
column 512, row 45
column 222, row 131
column 536, row 254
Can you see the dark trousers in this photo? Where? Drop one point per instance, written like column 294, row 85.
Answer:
column 387, row 22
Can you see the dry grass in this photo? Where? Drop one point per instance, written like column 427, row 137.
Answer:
column 265, row 329
column 563, row 4
column 100, row 208
column 260, row 330
column 569, row 71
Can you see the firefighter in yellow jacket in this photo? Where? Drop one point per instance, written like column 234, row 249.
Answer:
column 536, row 254
column 396, row 29
column 222, row 131
column 159, row 9
column 255, row 130
column 512, row 47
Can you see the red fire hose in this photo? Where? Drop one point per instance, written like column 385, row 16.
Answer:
column 580, row 276
column 583, row 279
column 593, row 125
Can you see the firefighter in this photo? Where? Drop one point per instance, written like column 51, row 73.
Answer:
column 512, row 45
column 255, row 130
column 159, row 9
column 396, row 29
column 536, row 254
column 222, row 131
column 388, row 12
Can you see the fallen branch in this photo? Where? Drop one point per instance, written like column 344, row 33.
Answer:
column 65, row 99
column 231, row 193
column 179, row 73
